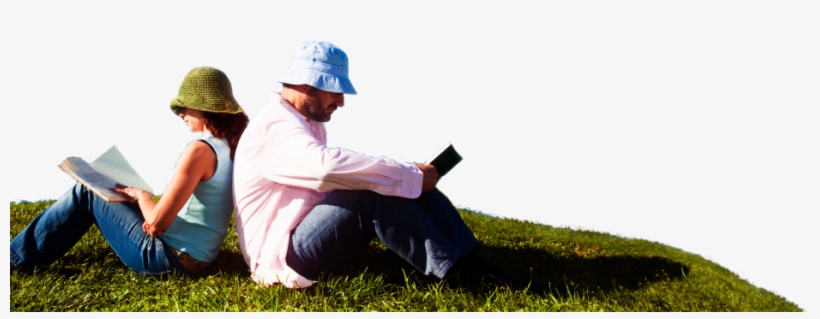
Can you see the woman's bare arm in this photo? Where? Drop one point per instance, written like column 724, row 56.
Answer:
column 197, row 163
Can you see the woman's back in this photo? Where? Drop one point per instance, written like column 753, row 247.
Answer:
column 202, row 224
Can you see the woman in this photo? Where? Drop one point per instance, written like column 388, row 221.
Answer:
column 183, row 231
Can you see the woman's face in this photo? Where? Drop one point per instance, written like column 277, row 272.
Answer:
column 192, row 118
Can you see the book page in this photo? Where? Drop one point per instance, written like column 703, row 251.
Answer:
column 113, row 164
column 95, row 181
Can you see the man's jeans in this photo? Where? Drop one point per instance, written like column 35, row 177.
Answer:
column 427, row 232
column 58, row 228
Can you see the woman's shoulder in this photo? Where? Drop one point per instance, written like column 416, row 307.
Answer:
column 198, row 148
column 217, row 147
column 212, row 141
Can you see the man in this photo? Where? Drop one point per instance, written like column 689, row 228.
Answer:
column 303, row 208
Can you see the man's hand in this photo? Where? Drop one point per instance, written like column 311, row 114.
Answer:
column 430, row 177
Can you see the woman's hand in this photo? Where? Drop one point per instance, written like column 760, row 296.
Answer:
column 151, row 230
column 134, row 193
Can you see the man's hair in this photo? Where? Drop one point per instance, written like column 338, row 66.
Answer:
column 293, row 87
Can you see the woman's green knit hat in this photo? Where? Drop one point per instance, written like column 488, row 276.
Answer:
column 206, row 89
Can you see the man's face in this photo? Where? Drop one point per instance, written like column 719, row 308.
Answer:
column 321, row 104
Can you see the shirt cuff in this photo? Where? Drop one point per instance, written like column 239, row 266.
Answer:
column 411, row 182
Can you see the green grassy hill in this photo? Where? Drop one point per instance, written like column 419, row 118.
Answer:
column 587, row 271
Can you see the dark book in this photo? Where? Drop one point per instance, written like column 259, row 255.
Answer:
column 445, row 159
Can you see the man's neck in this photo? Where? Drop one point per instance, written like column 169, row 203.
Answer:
column 295, row 98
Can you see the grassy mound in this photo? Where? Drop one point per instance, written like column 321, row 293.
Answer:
column 587, row 271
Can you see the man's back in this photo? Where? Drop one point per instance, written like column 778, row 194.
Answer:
column 265, row 210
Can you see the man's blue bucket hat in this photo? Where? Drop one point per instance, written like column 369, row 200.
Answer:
column 321, row 65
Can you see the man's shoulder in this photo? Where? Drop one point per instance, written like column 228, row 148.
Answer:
column 275, row 119
column 273, row 113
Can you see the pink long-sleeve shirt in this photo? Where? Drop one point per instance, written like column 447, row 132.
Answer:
column 282, row 169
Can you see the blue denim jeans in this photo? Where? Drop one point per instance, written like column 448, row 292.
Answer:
column 60, row 226
column 427, row 232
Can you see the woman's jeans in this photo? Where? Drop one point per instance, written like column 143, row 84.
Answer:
column 427, row 232
column 61, row 225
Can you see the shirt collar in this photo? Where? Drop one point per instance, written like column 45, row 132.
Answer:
column 292, row 109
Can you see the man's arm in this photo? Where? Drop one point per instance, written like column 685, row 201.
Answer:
column 297, row 158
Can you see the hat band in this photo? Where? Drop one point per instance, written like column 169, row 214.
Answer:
column 336, row 70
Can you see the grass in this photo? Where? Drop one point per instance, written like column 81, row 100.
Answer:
column 587, row 271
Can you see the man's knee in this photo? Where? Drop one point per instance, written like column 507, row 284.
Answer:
column 352, row 195
column 360, row 200
column 435, row 198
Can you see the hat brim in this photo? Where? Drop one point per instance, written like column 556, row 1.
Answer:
column 319, row 80
column 177, row 104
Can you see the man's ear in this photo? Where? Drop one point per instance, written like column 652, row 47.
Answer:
column 302, row 88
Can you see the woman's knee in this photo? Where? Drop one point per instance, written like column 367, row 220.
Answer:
column 80, row 193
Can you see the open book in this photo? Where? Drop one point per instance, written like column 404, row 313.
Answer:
column 104, row 173
column 445, row 159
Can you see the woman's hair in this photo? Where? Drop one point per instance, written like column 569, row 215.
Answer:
column 227, row 126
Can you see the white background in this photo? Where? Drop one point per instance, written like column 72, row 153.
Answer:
column 690, row 123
